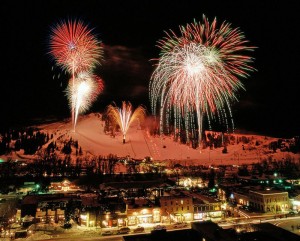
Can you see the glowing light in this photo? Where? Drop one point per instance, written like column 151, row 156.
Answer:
column 197, row 74
column 83, row 92
column 75, row 49
column 125, row 116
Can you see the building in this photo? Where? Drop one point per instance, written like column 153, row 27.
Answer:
column 64, row 186
column 176, row 208
column 269, row 201
column 45, row 207
column 240, row 196
column 134, row 188
column 102, row 212
column 51, row 211
column 141, row 211
column 206, row 207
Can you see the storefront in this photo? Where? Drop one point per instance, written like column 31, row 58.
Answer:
column 109, row 220
column 144, row 216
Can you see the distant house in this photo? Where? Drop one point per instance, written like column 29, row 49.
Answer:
column 44, row 207
column 64, row 186
column 134, row 188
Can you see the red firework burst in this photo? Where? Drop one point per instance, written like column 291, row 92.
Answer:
column 74, row 47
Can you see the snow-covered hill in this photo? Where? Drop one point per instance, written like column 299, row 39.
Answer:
column 139, row 144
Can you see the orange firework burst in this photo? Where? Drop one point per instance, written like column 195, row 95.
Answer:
column 125, row 116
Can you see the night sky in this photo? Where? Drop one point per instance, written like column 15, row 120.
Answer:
column 32, row 87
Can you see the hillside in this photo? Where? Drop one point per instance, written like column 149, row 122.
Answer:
column 139, row 144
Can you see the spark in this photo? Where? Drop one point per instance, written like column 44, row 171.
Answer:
column 75, row 49
column 83, row 93
column 197, row 76
column 125, row 116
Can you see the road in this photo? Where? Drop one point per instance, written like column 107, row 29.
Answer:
column 87, row 234
column 287, row 223
column 110, row 238
column 290, row 224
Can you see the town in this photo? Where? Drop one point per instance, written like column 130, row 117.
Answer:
column 149, row 121
column 51, row 200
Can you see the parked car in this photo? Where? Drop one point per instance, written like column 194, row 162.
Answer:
column 124, row 230
column 139, row 229
column 107, row 232
column 159, row 227
column 180, row 225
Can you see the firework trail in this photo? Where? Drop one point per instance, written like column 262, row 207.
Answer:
column 75, row 49
column 84, row 92
column 125, row 116
column 197, row 75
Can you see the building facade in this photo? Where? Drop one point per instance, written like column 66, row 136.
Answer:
column 176, row 208
column 269, row 201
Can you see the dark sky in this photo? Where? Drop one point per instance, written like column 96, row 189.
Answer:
column 129, row 31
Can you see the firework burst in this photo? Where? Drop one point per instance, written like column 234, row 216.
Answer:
column 125, row 116
column 197, row 75
column 83, row 93
column 75, row 49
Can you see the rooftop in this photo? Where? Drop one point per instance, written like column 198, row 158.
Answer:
column 266, row 192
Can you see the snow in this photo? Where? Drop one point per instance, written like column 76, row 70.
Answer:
column 139, row 144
